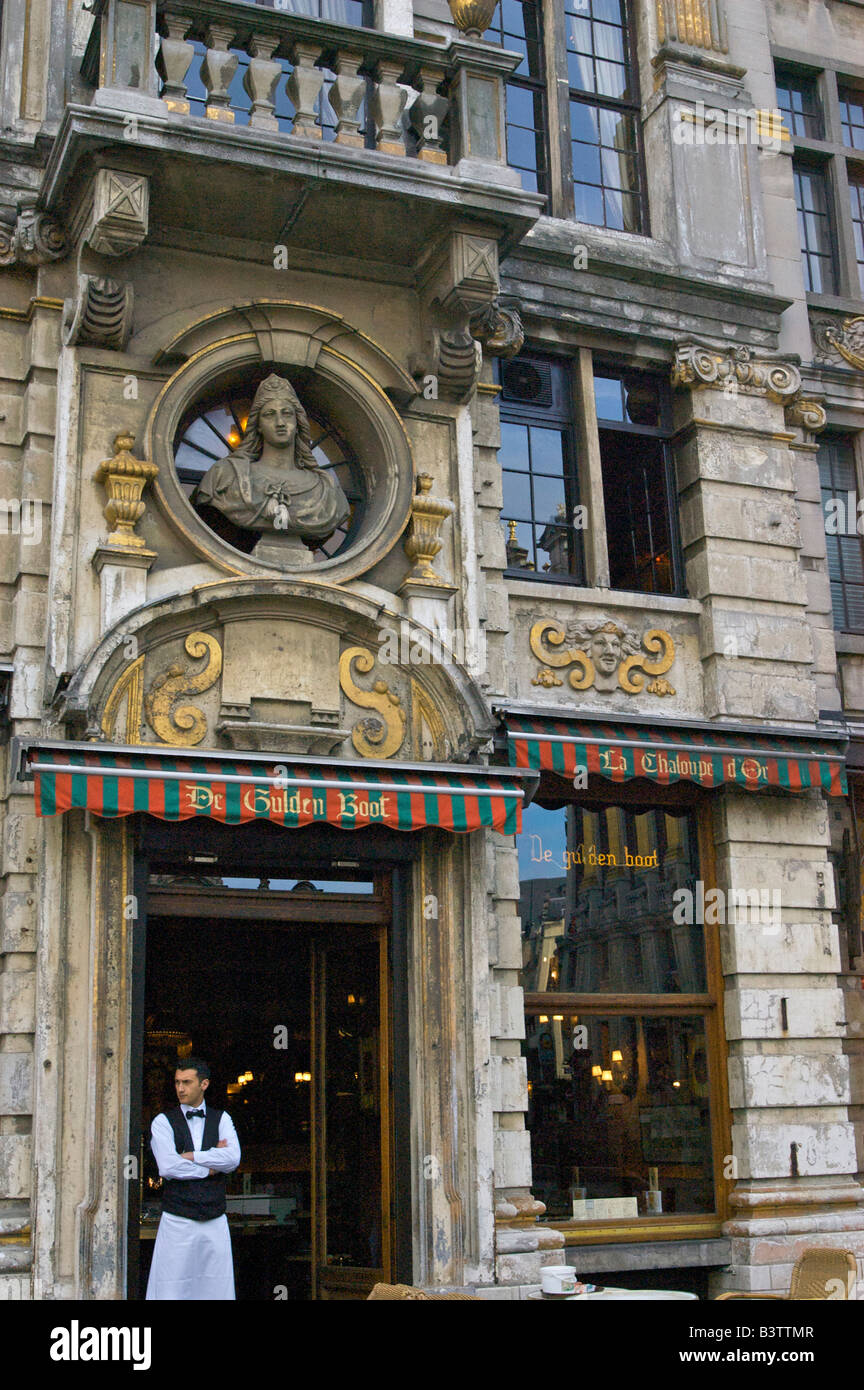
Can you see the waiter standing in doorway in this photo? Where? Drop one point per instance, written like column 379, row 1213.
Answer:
column 195, row 1146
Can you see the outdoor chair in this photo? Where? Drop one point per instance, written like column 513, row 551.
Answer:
column 818, row 1274
column 400, row 1291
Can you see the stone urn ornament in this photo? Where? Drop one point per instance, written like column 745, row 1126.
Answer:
column 472, row 17
column 271, row 483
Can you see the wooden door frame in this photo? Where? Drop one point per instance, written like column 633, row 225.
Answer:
column 385, row 857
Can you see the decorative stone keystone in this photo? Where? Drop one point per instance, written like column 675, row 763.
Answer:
column 124, row 479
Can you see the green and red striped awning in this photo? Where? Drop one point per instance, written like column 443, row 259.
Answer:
column 175, row 784
column 666, row 754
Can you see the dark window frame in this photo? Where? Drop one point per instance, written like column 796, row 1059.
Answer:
column 664, row 434
column 707, row 1006
column 559, row 417
column 558, row 94
column 842, row 439
column 839, row 162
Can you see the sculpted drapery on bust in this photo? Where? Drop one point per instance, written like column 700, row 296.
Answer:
column 271, row 482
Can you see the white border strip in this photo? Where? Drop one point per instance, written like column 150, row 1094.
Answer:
column 712, row 750
column 280, row 782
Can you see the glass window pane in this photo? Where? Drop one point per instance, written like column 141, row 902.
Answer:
column 517, row 496
column 547, row 453
column 514, row 451
column 588, row 201
column 619, row 1115
column 608, row 399
column 607, row 883
column 549, row 502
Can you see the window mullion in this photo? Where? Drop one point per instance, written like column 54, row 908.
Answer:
column 848, row 283
column 557, row 111
column 590, row 467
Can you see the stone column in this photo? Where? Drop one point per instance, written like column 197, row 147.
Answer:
column 793, row 1158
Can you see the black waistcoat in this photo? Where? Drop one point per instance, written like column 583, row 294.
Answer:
column 199, row 1199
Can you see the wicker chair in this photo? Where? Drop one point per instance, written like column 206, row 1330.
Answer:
column 818, row 1274
column 405, row 1291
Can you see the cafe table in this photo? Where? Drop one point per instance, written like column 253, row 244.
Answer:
column 613, row 1295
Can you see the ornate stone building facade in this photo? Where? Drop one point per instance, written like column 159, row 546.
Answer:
column 431, row 669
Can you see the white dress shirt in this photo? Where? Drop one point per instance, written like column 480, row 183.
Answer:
column 173, row 1165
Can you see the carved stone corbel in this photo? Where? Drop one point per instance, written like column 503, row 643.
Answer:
column 119, row 218
column 462, row 284
column 101, row 315
column 30, row 236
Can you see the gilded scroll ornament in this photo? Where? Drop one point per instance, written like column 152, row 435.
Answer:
column 845, row 340
column 127, row 690
column 185, row 725
column 373, row 737
column 605, row 655
column 124, row 479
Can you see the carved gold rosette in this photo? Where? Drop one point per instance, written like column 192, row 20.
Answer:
column 124, row 478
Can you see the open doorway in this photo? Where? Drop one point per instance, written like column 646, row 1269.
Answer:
column 285, row 991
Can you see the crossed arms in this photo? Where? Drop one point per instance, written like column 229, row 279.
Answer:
column 224, row 1158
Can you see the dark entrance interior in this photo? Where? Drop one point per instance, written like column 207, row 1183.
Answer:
column 285, row 987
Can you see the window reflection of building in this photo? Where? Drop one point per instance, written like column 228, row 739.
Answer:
column 619, row 1107
column 614, row 920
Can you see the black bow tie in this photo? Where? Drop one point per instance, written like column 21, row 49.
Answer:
column 194, row 1114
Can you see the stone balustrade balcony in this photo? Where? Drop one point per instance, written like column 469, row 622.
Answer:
column 286, row 118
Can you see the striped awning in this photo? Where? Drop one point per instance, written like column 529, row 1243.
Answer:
column 175, row 784
column 666, row 754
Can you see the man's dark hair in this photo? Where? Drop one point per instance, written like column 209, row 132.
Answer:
column 194, row 1064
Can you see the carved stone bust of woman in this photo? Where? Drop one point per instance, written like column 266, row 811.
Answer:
column 271, row 483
